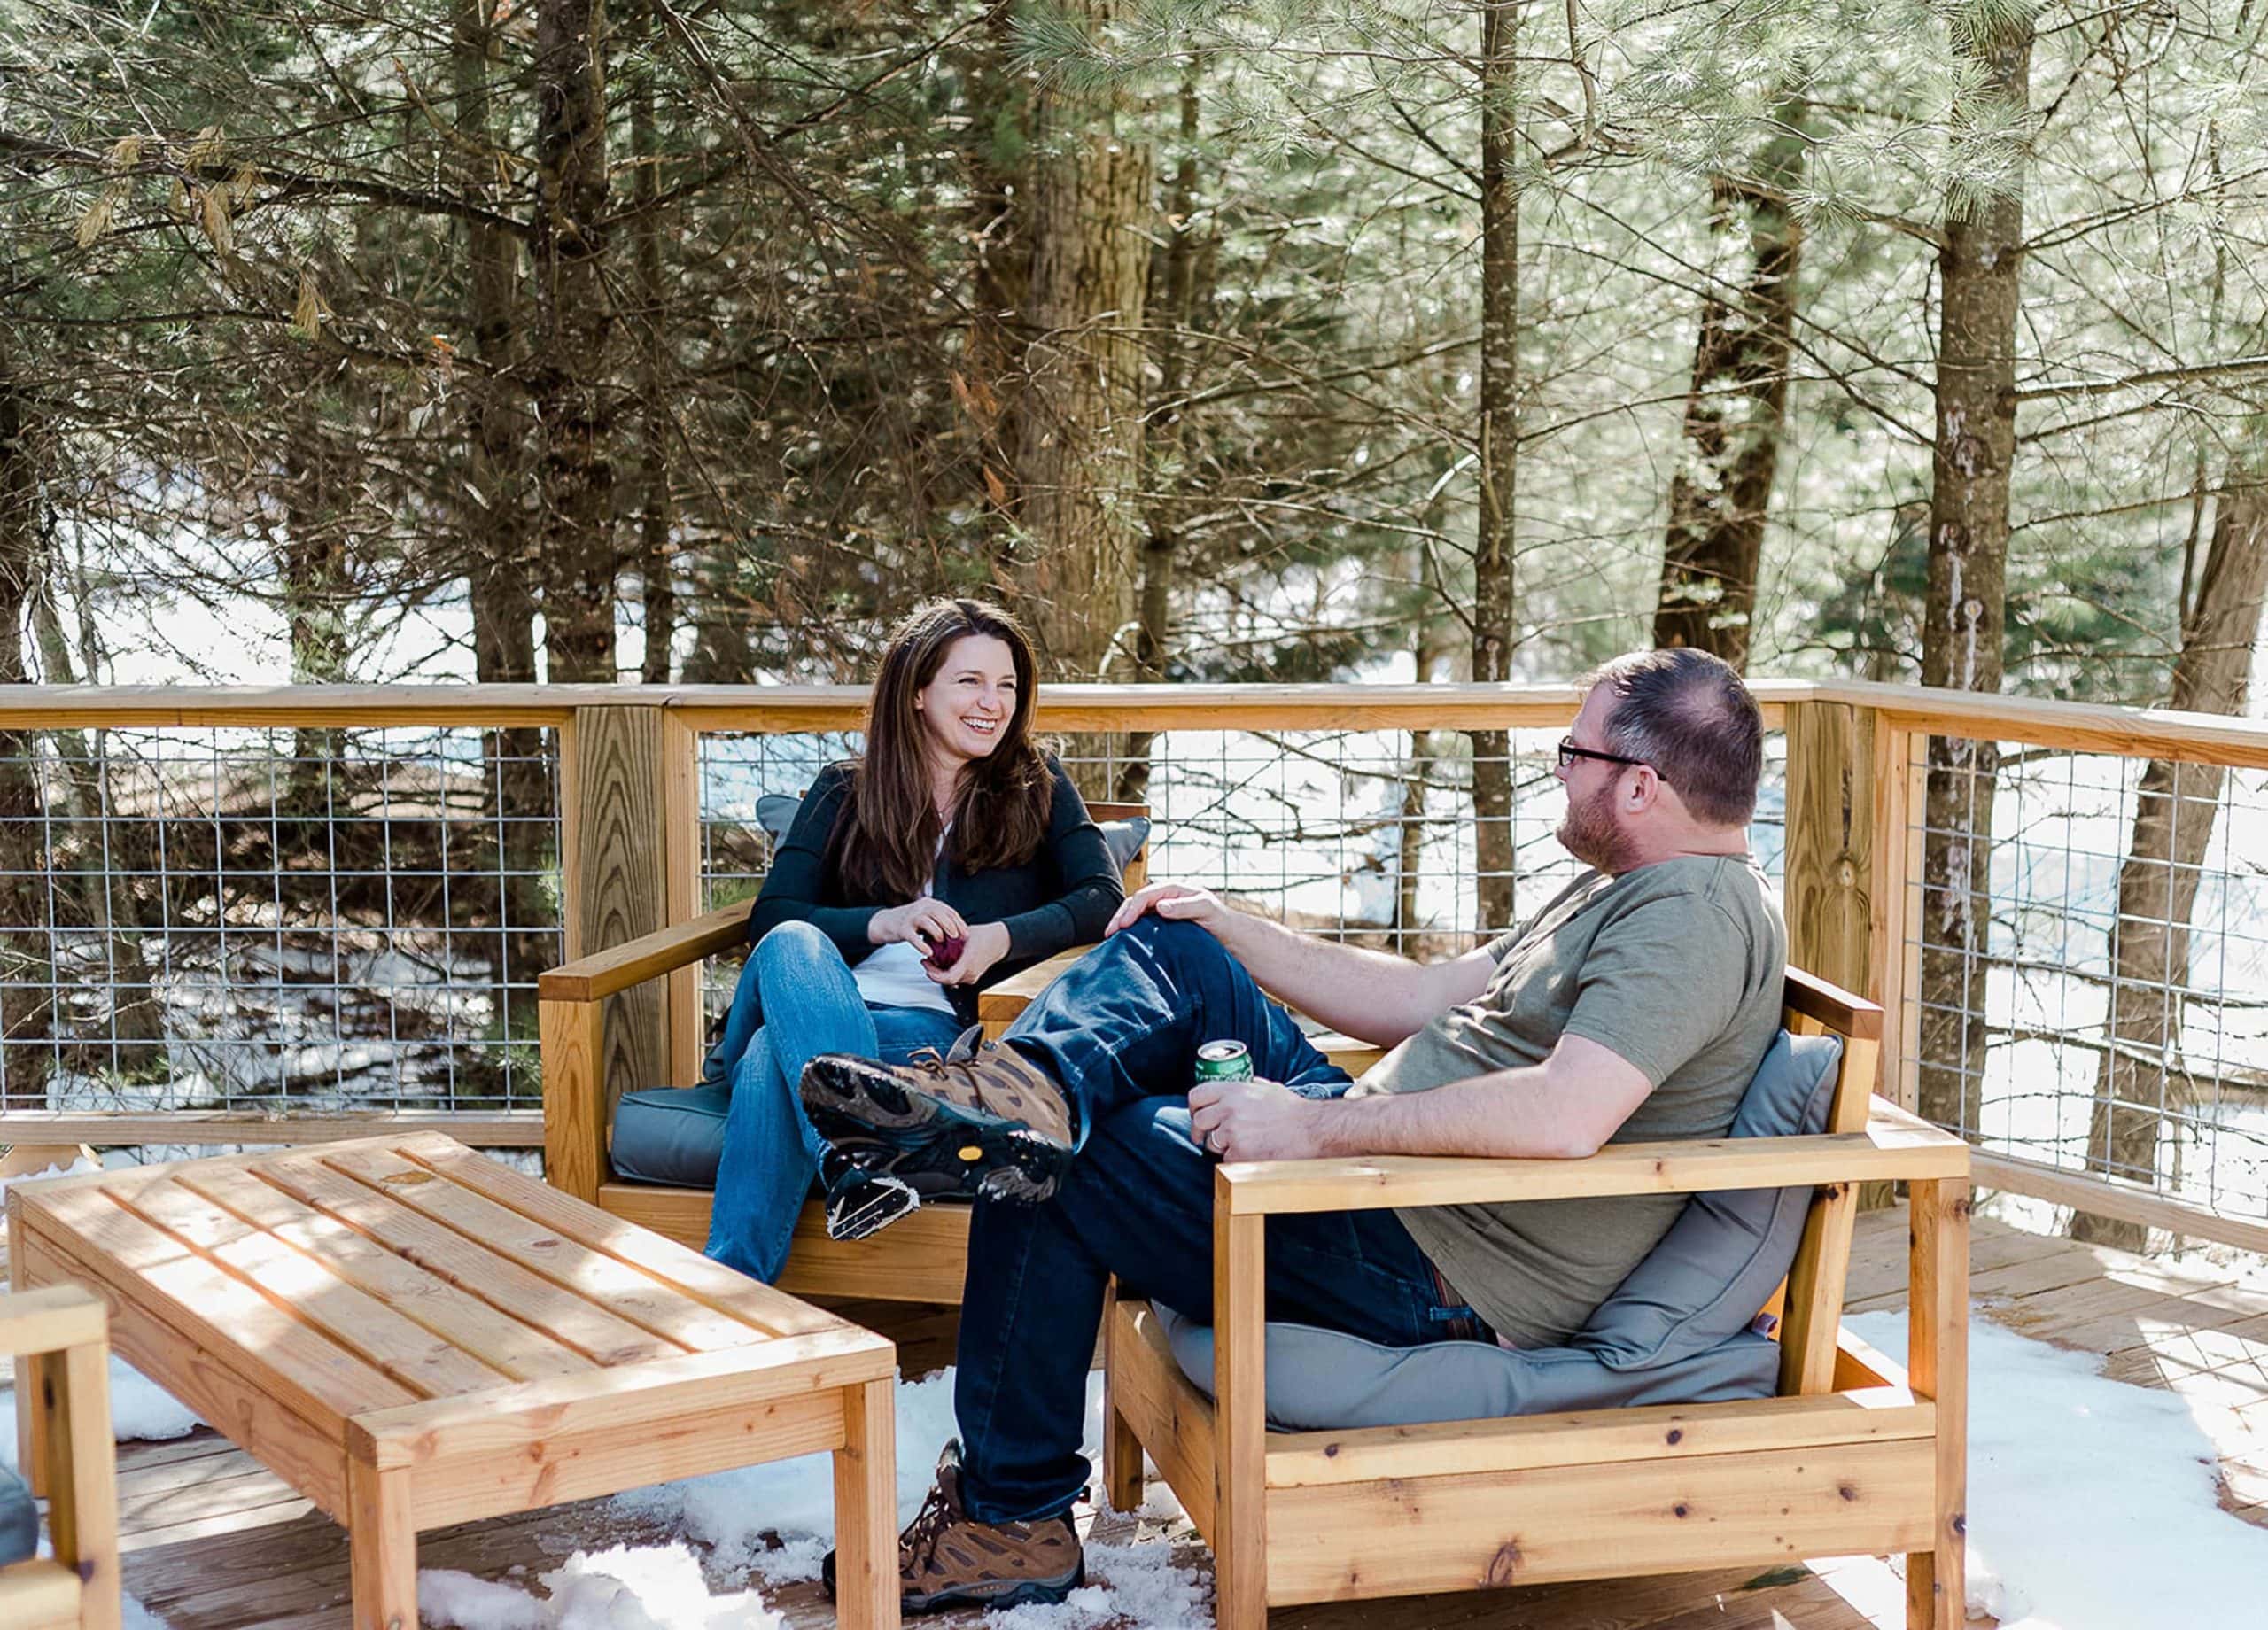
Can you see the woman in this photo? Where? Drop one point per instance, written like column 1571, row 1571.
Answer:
column 953, row 854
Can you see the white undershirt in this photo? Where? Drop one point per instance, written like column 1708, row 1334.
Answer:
column 891, row 975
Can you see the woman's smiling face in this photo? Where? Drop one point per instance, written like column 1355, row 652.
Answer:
column 966, row 707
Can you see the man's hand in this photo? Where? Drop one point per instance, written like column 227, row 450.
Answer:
column 1252, row 1121
column 1174, row 901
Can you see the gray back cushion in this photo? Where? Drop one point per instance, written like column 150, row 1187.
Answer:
column 1674, row 1332
column 1727, row 1250
column 19, row 1520
column 1124, row 838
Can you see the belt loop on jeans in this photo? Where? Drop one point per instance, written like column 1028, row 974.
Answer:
column 1459, row 1320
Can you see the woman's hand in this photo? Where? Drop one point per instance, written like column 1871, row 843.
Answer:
column 920, row 923
column 1174, row 901
column 986, row 942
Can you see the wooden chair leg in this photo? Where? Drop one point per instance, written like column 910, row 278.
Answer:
column 866, row 1510
column 1240, row 1421
column 1121, row 1450
column 82, row 1512
column 1937, row 1365
column 382, row 1547
column 35, row 1382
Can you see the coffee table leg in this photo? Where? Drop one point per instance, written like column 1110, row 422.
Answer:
column 382, row 1540
column 31, row 1373
column 866, row 1509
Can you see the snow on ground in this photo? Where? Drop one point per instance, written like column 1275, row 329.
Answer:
column 2092, row 1504
column 771, row 1524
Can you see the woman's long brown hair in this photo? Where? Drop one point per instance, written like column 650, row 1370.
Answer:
column 887, row 841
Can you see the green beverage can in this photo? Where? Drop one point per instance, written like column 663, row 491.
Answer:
column 1224, row 1061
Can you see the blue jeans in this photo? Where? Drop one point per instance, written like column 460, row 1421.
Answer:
column 795, row 1000
column 1120, row 1031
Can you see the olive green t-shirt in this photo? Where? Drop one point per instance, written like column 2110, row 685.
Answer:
column 1675, row 967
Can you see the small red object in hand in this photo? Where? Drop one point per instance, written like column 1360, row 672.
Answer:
column 947, row 951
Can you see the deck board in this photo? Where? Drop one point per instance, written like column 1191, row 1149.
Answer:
column 215, row 1543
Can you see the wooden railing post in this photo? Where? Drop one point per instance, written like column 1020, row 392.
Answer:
column 1828, row 876
column 629, row 771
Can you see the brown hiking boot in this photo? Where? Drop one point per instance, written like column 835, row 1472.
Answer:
column 946, row 1558
column 993, row 1123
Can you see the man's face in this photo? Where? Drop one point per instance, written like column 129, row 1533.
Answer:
column 1591, row 830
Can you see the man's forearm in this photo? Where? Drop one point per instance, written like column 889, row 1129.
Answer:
column 1370, row 995
column 1511, row 1113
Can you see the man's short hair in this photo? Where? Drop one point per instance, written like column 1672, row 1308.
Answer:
column 1687, row 714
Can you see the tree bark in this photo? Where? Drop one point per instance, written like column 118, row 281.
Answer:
column 1079, row 436
column 1493, row 636
column 26, row 966
column 499, row 565
column 1966, row 613
column 1734, row 412
column 2174, row 811
column 656, row 516
column 568, row 375
column 1175, row 302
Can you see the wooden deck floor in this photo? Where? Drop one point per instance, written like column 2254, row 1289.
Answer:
column 215, row 1543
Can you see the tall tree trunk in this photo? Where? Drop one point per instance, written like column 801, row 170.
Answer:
column 499, row 565
column 1175, row 302
column 997, row 155
column 311, row 578
column 1493, row 638
column 1734, row 412
column 26, row 966
column 568, row 376
column 1079, row 435
column 656, row 565
column 1964, row 619
column 2174, row 810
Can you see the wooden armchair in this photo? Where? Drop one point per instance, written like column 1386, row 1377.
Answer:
column 60, row 1338
column 1852, row 1456
column 921, row 1258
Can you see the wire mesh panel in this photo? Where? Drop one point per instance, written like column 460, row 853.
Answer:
column 1369, row 835
column 2091, row 974
column 264, row 920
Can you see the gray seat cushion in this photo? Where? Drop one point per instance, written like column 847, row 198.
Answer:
column 18, row 1519
column 1675, row 1331
column 671, row 1135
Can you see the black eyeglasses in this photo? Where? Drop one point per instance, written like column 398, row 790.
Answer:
column 1569, row 752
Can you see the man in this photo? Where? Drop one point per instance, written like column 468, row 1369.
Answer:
column 1634, row 1006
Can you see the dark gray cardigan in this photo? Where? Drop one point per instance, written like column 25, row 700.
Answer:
column 1062, row 897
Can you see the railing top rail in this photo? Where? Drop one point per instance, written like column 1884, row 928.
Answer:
column 2083, row 727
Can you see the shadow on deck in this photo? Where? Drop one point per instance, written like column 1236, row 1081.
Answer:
column 213, row 1542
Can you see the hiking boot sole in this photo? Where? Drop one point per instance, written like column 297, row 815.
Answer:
column 881, row 1125
column 998, row 1594
column 877, row 1206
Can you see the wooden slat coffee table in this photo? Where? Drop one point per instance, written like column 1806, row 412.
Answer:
column 411, row 1335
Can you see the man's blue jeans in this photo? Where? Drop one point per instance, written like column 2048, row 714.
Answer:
column 1120, row 1030
column 795, row 1000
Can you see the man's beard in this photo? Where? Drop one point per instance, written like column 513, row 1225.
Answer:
column 1588, row 831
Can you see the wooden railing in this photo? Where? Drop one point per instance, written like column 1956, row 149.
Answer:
column 630, row 857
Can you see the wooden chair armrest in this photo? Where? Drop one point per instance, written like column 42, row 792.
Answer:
column 1894, row 1145
column 997, row 1008
column 603, row 973
column 51, row 1319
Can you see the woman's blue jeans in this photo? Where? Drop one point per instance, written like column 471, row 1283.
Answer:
column 795, row 1000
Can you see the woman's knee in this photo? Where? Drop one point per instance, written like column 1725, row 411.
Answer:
column 791, row 945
